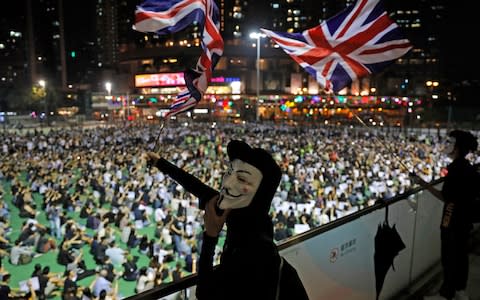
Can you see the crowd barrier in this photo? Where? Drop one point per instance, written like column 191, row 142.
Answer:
column 340, row 263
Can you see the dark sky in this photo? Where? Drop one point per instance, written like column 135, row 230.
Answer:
column 78, row 18
column 459, row 39
column 78, row 14
column 458, row 31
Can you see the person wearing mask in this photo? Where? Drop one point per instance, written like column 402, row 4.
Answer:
column 458, row 192
column 243, row 204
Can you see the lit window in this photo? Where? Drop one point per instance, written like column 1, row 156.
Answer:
column 15, row 34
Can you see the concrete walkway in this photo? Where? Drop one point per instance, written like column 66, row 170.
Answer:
column 433, row 280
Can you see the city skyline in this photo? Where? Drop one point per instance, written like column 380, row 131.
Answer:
column 93, row 53
column 458, row 19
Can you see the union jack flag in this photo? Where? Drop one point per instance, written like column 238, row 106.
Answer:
column 356, row 42
column 170, row 16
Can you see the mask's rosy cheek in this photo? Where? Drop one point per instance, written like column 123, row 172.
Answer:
column 245, row 190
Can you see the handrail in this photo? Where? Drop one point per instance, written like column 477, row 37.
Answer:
column 191, row 280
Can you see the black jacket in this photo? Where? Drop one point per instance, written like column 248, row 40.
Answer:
column 459, row 190
column 250, row 262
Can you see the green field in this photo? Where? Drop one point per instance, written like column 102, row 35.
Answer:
column 23, row 272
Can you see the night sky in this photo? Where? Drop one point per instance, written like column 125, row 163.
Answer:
column 459, row 40
column 458, row 31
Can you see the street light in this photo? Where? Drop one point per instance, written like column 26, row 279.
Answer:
column 431, row 85
column 257, row 36
column 108, row 87
column 43, row 84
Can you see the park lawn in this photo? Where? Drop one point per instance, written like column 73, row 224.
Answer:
column 23, row 272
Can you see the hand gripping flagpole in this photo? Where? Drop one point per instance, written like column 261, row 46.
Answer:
column 170, row 17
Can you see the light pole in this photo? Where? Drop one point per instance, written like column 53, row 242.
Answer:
column 257, row 36
column 43, row 84
column 108, row 87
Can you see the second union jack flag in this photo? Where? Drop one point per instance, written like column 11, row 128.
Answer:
column 356, row 42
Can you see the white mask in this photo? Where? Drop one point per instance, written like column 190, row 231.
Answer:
column 239, row 186
column 449, row 146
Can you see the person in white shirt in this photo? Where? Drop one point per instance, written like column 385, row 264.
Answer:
column 126, row 232
column 18, row 251
column 115, row 253
column 159, row 214
column 144, row 281
column 101, row 283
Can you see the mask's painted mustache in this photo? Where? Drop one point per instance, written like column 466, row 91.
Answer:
column 225, row 191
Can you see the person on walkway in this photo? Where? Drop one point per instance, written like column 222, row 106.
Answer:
column 458, row 192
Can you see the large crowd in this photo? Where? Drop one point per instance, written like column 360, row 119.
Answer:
column 96, row 194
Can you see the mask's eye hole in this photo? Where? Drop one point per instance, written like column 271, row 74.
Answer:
column 242, row 180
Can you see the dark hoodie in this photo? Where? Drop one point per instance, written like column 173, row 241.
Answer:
column 250, row 262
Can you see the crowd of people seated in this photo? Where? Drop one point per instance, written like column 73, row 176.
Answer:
column 97, row 193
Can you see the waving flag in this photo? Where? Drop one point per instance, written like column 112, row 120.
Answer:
column 170, row 16
column 356, row 42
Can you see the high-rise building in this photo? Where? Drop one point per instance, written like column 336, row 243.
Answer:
column 68, row 44
column 33, row 47
column 13, row 54
column 107, row 28
column 48, row 41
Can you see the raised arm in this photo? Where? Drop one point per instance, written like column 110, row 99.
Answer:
column 437, row 193
column 189, row 182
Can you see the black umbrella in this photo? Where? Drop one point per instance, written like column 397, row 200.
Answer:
column 388, row 244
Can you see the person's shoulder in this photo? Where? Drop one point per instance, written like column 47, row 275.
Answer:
column 459, row 165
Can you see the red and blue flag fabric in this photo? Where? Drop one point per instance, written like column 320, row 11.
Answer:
column 354, row 43
column 171, row 16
